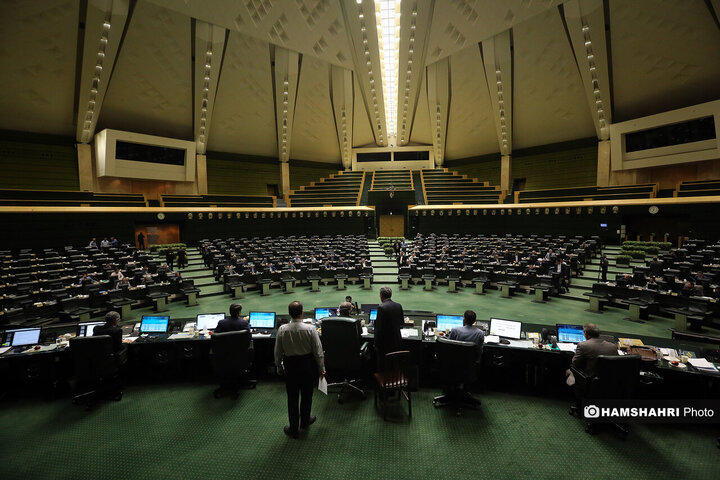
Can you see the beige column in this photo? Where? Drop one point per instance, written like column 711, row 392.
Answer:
column 85, row 167
column 284, row 178
column 506, row 172
column 603, row 163
column 201, row 174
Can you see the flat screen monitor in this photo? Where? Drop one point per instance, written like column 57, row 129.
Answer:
column 21, row 336
column 570, row 333
column 603, row 225
column 154, row 324
column 86, row 329
column 208, row 321
column 324, row 312
column 262, row 320
column 373, row 314
column 369, row 307
column 448, row 322
column 505, row 328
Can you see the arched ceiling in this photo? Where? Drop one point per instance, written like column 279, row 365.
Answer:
column 480, row 74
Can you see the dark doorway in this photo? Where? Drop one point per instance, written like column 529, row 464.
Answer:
column 272, row 189
column 519, row 184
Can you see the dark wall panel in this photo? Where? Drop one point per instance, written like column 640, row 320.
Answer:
column 37, row 162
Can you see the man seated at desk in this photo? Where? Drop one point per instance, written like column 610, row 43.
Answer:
column 233, row 323
column 586, row 353
column 468, row 332
column 652, row 284
column 112, row 329
column 86, row 279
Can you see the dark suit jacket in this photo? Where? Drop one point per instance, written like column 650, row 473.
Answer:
column 114, row 332
column 229, row 324
column 390, row 318
column 587, row 352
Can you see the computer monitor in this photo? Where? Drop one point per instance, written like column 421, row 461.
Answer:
column 154, row 324
column 373, row 314
column 265, row 320
column 21, row 336
column 86, row 329
column 324, row 312
column 448, row 322
column 368, row 307
column 505, row 328
column 208, row 321
column 570, row 333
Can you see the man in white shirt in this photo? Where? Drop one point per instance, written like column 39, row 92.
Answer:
column 299, row 356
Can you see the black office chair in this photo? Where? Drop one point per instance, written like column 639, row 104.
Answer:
column 457, row 361
column 97, row 370
column 616, row 377
column 231, row 361
column 344, row 352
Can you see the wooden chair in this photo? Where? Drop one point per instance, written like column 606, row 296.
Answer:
column 394, row 378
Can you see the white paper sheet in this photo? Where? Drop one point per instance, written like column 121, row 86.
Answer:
column 4, row 349
column 492, row 339
column 322, row 385
column 567, row 347
column 408, row 332
column 702, row 364
column 175, row 336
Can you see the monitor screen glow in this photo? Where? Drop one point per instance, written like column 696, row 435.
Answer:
column 154, row 324
column 373, row 314
column 21, row 337
column 324, row 312
column 570, row 333
column 86, row 329
column 262, row 320
column 448, row 322
column 208, row 321
column 505, row 328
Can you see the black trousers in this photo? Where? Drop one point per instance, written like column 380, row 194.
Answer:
column 301, row 377
column 604, row 275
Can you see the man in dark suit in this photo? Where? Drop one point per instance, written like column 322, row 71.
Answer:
column 586, row 354
column 233, row 322
column 604, row 263
column 390, row 318
column 656, row 268
column 112, row 329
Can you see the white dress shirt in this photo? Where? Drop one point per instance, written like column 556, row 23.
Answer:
column 298, row 338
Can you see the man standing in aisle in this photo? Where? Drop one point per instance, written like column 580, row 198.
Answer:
column 604, row 262
column 390, row 318
column 299, row 356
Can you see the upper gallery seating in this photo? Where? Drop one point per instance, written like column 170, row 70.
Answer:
column 442, row 187
column 577, row 194
column 396, row 179
column 40, row 287
column 250, row 260
column 698, row 188
column 341, row 189
column 63, row 198
column 219, row 201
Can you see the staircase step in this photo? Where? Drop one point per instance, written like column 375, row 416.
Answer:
column 384, row 278
column 209, row 290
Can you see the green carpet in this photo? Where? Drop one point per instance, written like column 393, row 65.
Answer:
column 519, row 307
column 179, row 431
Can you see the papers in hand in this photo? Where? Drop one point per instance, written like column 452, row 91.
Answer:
column 322, row 385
